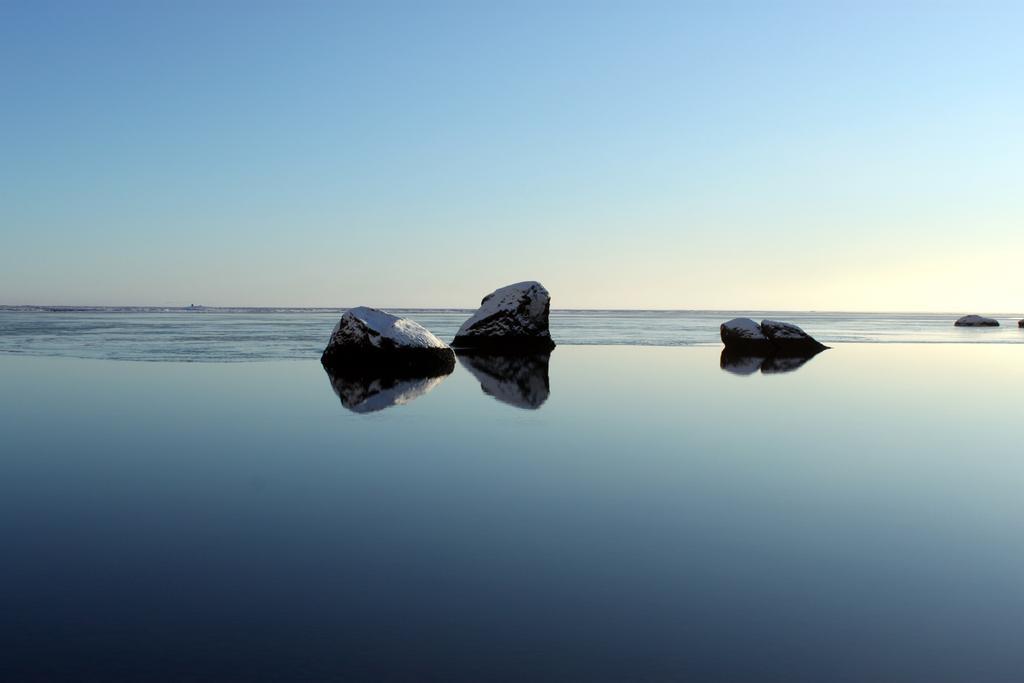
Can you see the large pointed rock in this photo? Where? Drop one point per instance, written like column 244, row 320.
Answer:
column 513, row 319
column 373, row 343
column 976, row 321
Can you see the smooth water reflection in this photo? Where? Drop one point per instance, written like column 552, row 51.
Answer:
column 518, row 380
column 363, row 394
column 859, row 520
column 769, row 364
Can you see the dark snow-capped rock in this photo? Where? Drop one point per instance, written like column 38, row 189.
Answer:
column 770, row 338
column 788, row 338
column 976, row 321
column 372, row 343
column 363, row 394
column 513, row 319
column 519, row 380
column 1020, row 323
column 743, row 334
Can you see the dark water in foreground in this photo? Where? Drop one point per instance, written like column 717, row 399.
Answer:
column 652, row 519
column 281, row 334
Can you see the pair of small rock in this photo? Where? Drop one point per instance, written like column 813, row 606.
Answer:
column 512, row 319
column 770, row 338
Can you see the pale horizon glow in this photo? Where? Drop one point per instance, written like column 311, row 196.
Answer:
column 777, row 156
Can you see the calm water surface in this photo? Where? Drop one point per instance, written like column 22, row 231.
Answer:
column 638, row 514
column 279, row 334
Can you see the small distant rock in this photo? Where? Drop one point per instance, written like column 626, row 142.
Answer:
column 372, row 343
column 1020, row 323
column 743, row 334
column 976, row 321
column 513, row 319
column 787, row 337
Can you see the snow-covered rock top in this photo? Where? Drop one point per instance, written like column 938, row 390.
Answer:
column 371, row 343
column 515, row 315
column 363, row 325
column 976, row 321
column 528, row 300
column 743, row 328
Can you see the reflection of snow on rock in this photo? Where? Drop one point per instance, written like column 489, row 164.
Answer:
column 519, row 380
column 739, row 363
column 369, row 340
column 976, row 321
column 366, row 395
column 780, row 364
column 513, row 319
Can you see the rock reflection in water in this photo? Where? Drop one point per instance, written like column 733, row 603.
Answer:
column 518, row 380
column 746, row 364
column 367, row 394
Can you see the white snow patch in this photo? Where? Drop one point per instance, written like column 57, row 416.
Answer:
column 744, row 327
column 507, row 299
column 402, row 331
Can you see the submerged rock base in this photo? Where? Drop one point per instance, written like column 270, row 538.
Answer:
column 505, row 345
column 400, row 363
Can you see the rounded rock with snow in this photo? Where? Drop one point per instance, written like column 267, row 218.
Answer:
column 513, row 319
column 376, row 343
column 743, row 334
column 976, row 321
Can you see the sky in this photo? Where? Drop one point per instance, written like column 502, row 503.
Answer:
column 715, row 155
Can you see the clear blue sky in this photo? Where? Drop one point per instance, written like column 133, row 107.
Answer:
column 842, row 156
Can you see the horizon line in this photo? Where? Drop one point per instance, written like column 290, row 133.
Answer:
column 84, row 307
